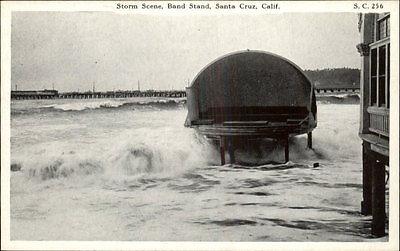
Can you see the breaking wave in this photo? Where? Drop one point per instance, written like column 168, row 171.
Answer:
column 339, row 99
column 141, row 171
column 145, row 152
column 77, row 105
column 136, row 149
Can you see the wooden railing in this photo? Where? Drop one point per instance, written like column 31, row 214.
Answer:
column 379, row 120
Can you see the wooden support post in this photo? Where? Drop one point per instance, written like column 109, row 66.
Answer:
column 367, row 162
column 378, row 199
column 309, row 140
column 286, row 140
column 222, row 150
column 231, row 150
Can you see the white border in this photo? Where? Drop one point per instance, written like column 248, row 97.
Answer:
column 285, row 6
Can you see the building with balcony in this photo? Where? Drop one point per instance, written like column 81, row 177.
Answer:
column 374, row 118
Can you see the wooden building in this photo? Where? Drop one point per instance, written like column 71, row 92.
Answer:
column 374, row 118
column 251, row 95
column 40, row 94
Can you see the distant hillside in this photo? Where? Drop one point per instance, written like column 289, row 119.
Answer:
column 339, row 77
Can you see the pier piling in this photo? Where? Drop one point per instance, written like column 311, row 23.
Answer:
column 309, row 140
column 231, row 150
column 378, row 199
column 222, row 150
column 367, row 181
column 286, row 142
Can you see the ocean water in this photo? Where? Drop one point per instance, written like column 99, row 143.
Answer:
column 127, row 169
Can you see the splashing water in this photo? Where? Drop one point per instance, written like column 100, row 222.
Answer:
column 137, row 174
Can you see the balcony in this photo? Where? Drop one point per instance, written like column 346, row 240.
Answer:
column 379, row 120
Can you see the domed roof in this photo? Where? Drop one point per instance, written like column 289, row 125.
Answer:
column 251, row 78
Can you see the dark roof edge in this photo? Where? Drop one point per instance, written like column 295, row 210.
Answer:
column 257, row 51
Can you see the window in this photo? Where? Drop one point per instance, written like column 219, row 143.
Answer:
column 383, row 27
column 380, row 63
column 373, row 77
column 382, row 77
column 388, row 77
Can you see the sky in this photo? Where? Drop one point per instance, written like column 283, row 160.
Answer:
column 76, row 50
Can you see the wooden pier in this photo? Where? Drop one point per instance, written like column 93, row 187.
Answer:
column 53, row 94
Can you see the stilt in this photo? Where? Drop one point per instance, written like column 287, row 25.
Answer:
column 378, row 199
column 309, row 140
column 231, row 150
column 286, row 139
column 222, row 150
column 367, row 179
